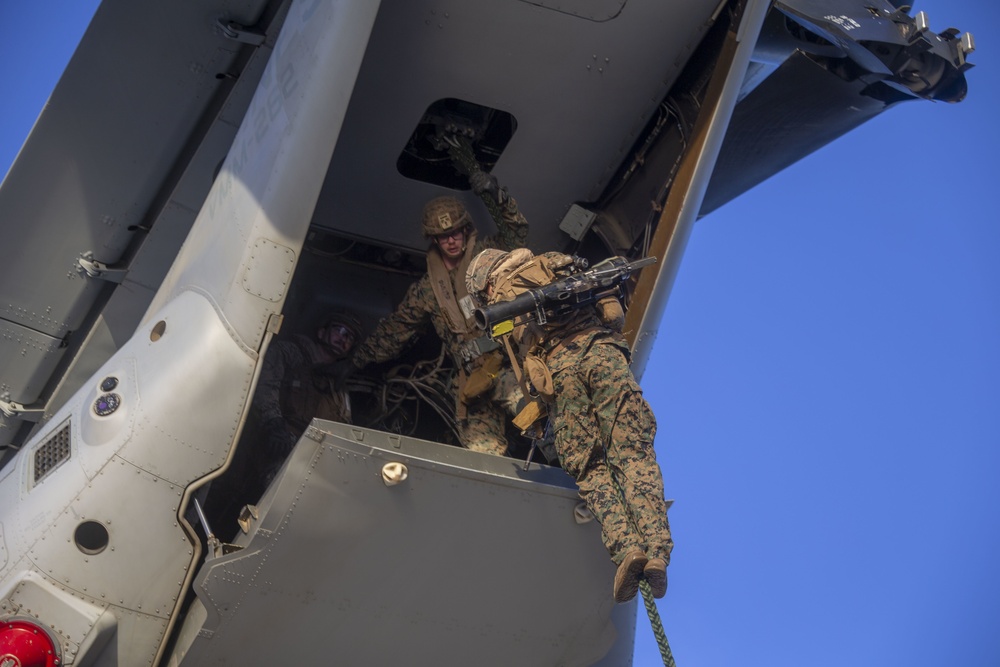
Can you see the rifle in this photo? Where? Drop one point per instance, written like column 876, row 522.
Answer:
column 560, row 296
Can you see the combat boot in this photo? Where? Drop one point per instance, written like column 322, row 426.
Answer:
column 655, row 573
column 627, row 576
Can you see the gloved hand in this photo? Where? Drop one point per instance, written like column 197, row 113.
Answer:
column 481, row 182
column 484, row 184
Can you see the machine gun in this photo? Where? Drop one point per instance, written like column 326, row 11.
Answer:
column 560, row 296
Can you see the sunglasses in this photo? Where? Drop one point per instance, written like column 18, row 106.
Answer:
column 450, row 235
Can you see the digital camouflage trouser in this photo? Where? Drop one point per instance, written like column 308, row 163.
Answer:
column 604, row 427
column 484, row 427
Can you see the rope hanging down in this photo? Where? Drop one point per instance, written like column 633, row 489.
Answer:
column 647, row 593
column 654, row 620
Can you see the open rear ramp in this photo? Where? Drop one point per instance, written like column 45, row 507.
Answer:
column 468, row 559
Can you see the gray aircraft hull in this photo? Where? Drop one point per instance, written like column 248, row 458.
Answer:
column 263, row 162
column 468, row 560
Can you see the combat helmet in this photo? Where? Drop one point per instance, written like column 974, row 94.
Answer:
column 345, row 318
column 444, row 215
column 479, row 271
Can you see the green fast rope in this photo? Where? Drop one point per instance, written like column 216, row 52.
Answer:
column 647, row 592
column 654, row 621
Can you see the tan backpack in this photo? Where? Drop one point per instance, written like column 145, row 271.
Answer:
column 508, row 283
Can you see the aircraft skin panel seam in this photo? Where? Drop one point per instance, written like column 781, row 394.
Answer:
column 591, row 10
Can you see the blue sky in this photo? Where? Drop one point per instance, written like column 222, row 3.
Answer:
column 826, row 380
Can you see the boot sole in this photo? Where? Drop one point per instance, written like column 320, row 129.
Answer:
column 628, row 584
column 657, row 580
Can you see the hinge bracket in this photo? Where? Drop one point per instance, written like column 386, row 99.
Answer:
column 241, row 33
column 94, row 269
column 15, row 410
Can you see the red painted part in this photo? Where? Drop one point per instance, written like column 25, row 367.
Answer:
column 27, row 644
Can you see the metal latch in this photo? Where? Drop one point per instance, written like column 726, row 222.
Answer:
column 241, row 33
column 15, row 410
column 100, row 270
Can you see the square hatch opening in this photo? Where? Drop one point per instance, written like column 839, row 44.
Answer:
column 425, row 156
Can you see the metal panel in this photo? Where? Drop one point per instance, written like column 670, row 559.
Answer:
column 102, row 170
column 594, row 10
column 152, row 260
column 118, row 575
column 170, row 435
column 291, row 128
column 131, row 555
column 191, row 435
column 79, row 626
column 775, row 129
column 566, row 81
column 113, row 139
column 27, row 358
column 469, row 560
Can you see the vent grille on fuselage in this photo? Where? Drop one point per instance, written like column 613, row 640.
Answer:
column 52, row 453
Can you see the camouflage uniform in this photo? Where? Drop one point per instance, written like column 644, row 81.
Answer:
column 604, row 432
column 604, row 428
column 293, row 387
column 482, row 424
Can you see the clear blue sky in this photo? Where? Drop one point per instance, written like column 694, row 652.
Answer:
column 827, row 382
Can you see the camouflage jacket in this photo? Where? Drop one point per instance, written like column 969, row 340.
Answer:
column 419, row 309
column 293, row 387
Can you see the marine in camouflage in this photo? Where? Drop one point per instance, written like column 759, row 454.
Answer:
column 604, row 432
column 604, row 428
column 293, row 387
column 481, row 425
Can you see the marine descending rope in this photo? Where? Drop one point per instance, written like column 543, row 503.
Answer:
column 463, row 157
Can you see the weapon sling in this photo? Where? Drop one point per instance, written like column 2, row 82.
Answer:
column 533, row 410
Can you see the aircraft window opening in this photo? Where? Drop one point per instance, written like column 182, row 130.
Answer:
column 158, row 330
column 410, row 395
column 91, row 537
column 424, row 157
